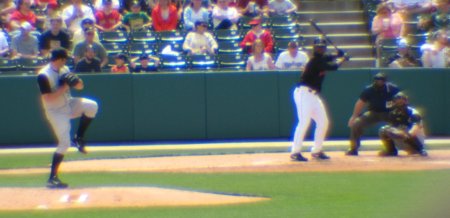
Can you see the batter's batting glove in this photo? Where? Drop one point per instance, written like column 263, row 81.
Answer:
column 340, row 53
column 70, row 79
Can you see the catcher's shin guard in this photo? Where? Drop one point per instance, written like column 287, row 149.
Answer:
column 417, row 146
column 387, row 141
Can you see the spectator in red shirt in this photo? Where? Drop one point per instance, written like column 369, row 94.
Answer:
column 165, row 16
column 257, row 32
column 22, row 14
column 108, row 18
column 46, row 4
column 120, row 66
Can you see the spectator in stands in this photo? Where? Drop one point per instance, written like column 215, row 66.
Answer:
column 99, row 4
column 89, row 63
column 79, row 35
column 6, row 8
column 46, row 4
column 53, row 38
column 4, row 46
column 99, row 50
column 259, row 60
column 253, row 8
column 144, row 66
column 404, row 57
column 257, row 32
column 224, row 16
column 208, row 4
column 200, row 41
column 120, row 65
column 437, row 55
column 25, row 45
column 281, row 7
column 386, row 24
column 408, row 7
column 22, row 14
column 75, row 13
column 438, row 19
column 165, row 16
column 146, row 6
column 193, row 13
column 136, row 19
column 108, row 18
column 292, row 59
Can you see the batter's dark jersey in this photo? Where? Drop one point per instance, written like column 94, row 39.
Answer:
column 378, row 99
column 314, row 73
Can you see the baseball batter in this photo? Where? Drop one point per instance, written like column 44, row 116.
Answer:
column 55, row 82
column 308, row 102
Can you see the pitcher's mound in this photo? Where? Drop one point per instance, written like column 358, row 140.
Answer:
column 111, row 197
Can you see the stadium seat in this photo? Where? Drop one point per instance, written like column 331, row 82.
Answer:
column 31, row 65
column 229, row 47
column 139, row 48
column 202, row 62
column 171, row 36
column 114, row 48
column 143, row 36
column 231, row 61
column 287, row 21
column 175, row 46
column 173, row 62
column 117, row 36
column 292, row 33
column 7, row 66
column 228, row 35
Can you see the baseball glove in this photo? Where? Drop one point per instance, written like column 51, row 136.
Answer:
column 70, row 79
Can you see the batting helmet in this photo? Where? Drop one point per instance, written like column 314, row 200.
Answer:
column 320, row 42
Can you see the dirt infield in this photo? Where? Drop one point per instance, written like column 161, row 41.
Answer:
column 144, row 196
column 111, row 197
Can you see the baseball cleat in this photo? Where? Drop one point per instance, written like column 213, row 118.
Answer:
column 80, row 144
column 55, row 183
column 298, row 157
column 388, row 153
column 351, row 152
column 320, row 156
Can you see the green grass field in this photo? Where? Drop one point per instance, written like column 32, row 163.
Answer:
column 350, row 194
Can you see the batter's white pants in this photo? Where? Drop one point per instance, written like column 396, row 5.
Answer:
column 309, row 106
column 59, row 119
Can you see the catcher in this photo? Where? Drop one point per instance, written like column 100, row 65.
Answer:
column 404, row 131
column 55, row 82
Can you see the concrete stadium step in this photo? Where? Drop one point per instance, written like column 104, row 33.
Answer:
column 330, row 5
column 335, row 27
column 341, row 39
column 360, row 51
column 331, row 16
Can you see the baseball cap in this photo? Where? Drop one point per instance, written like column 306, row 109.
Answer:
column 320, row 41
column 143, row 57
column 255, row 21
column 380, row 76
column 402, row 43
column 121, row 56
column 292, row 44
column 26, row 26
column 201, row 23
column 87, row 21
column 59, row 53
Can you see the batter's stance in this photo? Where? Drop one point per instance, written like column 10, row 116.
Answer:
column 55, row 82
column 308, row 102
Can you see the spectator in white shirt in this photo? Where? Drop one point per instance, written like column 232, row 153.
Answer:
column 259, row 60
column 281, row 7
column 200, row 41
column 75, row 13
column 292, row 59
column 224, row 16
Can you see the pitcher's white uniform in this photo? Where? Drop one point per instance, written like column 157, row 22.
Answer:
column 64, row 108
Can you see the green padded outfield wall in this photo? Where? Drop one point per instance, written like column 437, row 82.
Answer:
column 222, row 105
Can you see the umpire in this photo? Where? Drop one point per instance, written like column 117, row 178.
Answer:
column 377, row 97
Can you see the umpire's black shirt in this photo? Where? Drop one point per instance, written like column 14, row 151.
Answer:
column 314, row 73
column 378, row 99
